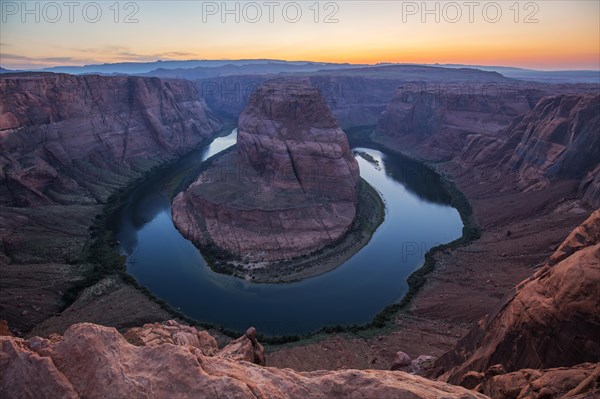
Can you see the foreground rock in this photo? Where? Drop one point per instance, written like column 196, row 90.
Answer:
column 290, row 189
column 97, row 362
column 581, row 381
column 550, row 320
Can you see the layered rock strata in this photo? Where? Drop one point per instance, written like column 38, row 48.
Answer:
column 70, row 139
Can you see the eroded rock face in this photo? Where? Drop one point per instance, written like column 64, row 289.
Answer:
column 557, row 140
column 551, row 319
column 74, row 139
column 288, row 132
column 435, row 125
column 590, row 188
column 97, row 362
column 290, row 189
column 171, row 332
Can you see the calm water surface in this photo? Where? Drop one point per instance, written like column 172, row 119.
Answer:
column 418, row 217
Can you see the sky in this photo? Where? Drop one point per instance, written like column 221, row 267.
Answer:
column 543, row 34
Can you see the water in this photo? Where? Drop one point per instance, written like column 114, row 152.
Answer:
column 418, row 217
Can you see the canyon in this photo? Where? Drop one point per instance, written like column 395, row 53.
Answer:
column 511, row 313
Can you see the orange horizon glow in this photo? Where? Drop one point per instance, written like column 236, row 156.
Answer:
column 566, row 36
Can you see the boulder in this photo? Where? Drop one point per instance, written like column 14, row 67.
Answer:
column 245, row 348
column 401, row 361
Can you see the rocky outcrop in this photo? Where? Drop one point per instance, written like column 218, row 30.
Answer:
column 590, row 188
column 97, row 362
column 581, row 381
column 171, row 332
column 245, row 348
column 74, row 139
column 550, row 320
column 583, row 236
column 290, row 189
column 4, row 330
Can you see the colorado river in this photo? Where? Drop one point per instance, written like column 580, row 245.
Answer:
column 418, row 217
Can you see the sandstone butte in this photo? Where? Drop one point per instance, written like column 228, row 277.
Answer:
column 289, row 190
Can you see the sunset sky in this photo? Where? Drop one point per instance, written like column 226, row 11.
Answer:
column 565, row 36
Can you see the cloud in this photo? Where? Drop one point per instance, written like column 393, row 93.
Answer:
column 25, row 58
column 118, row 53
column 87, row 55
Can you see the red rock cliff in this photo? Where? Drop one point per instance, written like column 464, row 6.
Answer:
column 557, row 140
column 74, row 139
column 550, row 320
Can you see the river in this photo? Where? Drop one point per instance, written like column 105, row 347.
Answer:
column 418, row 217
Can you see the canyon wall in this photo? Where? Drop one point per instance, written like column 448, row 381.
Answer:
column 290, row 189
column 530, row 137
column 74, row 139
column 66, row 144
column 356, row 96
column 434, row 125
column 557, row 140
column 354, row 100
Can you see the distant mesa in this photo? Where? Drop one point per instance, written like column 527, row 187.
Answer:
column 290, row 188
